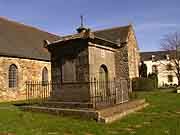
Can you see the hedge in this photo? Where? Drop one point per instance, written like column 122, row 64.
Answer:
column 143, row 84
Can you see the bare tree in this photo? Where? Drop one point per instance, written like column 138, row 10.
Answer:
column 171, row 44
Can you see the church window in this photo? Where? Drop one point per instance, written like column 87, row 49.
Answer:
column 13, row 76
column 44, row 76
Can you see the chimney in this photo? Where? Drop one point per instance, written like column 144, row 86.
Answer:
column 167, row 56
column 153, row 58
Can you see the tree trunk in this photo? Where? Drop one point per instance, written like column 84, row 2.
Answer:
column 178, row 81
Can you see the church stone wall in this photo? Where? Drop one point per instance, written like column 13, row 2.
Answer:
column 121, row 62
column 101, row 56
column 72, row 75
column 133, row 56
column 27, row 70
column 122, row 69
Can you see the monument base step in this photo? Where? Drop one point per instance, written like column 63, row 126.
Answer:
column 70, row 105
column 106, row 115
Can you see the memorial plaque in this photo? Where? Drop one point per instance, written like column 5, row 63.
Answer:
column 69, row 71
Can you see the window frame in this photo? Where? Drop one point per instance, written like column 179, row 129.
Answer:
column 13, row 76
column 169, row 67
column 45, row 77
column 170, row 78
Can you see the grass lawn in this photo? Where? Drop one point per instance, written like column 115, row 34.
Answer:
column 162, row 117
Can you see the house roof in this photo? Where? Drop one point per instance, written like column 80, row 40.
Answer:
column 113, row 36
column 116, row 34
column 159, row 55
column 86, row 35
column 19, row 40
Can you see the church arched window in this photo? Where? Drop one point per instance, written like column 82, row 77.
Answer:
column 44, row 75
column 13, row 76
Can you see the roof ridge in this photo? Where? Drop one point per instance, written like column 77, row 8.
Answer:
column 154, row 51
column 112, row 28
column 129, row 25
column 25, row 25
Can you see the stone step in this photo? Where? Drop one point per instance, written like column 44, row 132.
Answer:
column 118, row 108
column 57, row 104
column 81, row 113
column 120, row 113
column 107, row 115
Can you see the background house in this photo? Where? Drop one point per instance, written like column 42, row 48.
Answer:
column 159, row 62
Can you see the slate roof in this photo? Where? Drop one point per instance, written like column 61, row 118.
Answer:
column 116, row 34
column 159, row 55
column 19, row 40
column 86, row 35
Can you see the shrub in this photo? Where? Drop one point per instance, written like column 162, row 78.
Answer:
column 143, row 84
column 133, row 95
column 154, row 77
column 143, row 70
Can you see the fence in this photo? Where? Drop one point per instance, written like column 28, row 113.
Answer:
column 102, row 93
column 38, row 91
column 108, row 93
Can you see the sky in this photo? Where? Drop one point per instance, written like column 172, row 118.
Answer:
column 152, row 19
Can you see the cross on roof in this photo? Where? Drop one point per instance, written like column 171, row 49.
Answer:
column 82, row 28
column 82, row 20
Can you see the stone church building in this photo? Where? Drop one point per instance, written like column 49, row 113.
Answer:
column 23, row 56
column 79, row 60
